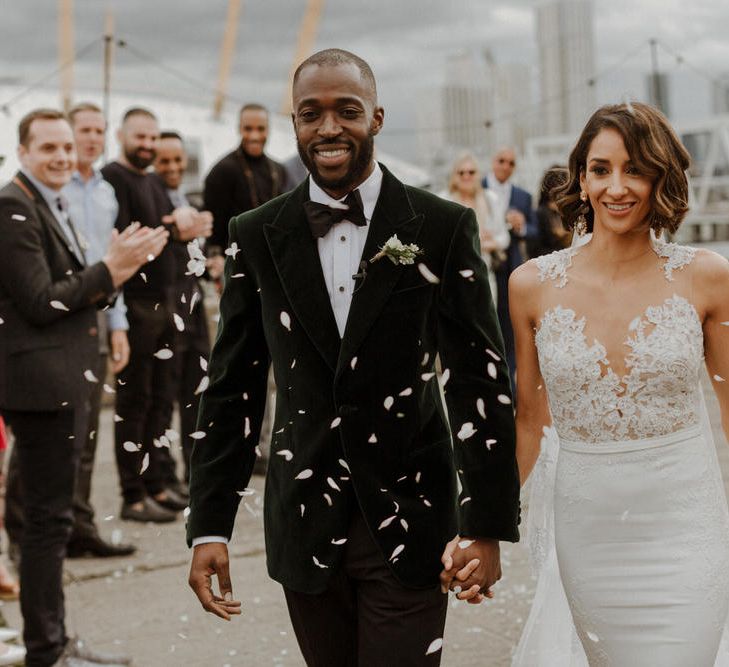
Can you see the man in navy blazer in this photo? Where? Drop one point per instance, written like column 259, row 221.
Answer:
column 515, row 204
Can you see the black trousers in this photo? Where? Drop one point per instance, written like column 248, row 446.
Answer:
column 144, row 399
column 366, row 618
column 47, row 445
column 502, row 310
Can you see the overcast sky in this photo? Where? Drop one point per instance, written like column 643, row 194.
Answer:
column 405, row 41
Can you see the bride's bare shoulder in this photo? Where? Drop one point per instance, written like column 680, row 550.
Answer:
column 525, row 278
column 711, row 273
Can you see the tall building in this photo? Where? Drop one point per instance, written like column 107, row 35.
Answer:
column 720, row 94
column 567, row 64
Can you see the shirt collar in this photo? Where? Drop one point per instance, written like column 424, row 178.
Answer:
column 95, row 177
column 49, row 194
column 369, row 191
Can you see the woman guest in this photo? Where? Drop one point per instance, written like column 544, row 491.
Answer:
column 552, row 233
column 464, row 187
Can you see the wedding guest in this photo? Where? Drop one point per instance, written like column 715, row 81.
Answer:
column 49, row 296
column 245, row 178
column 552, row 234
column 464, row 187
column 362, row 492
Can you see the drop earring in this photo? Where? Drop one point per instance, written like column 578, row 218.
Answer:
column 581, row 222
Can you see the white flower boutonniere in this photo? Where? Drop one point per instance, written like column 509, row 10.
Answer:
column 398, row 252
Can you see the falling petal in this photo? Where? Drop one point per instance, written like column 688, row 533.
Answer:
column 340, row 542
column 204, row 382
column 467, row 273
column 427, row 503
column 58, row 305
column 418, row 475
column 427, row 376
column 593, row 637
column 445, row 377
column 108, row 389
column 305, row 474
column 145, row 463
column 725, row 324
column 238, row 275
column 118, row 419
column 428, row 274
column 493, row 355
column 503, row 398
column 328, row 498
column 318, row 564
column 372, row 439
column 344, row 465
column 247, row 427
column 293, row 364
column 467, row 499
column 406, row 392
column 198, row 435
column 398, row 550
column 491, row 370
column 164, row 353
column 303, row 509
column 718, row 378
column 464, row 544
column 285, row 320
column 179, row 323
column 89, row 375
column 435, row 646
column 388, row 402
column 143, row 276
column 353, row 363
column 130, row 446
column 286, row 453
column 466, row 431
column 172, row 434
column 335, row 422
column 2, row 321
column 404, row 524
column 425, row 360
column 489, row 443
column 333, row 484
column 387, row 522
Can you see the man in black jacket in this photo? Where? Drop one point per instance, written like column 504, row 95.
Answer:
column 244, row 178
column 48, row 347
column 350, row 286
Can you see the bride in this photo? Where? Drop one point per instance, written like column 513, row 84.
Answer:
column 611, row 335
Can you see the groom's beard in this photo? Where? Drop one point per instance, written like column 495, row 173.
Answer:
column 361, row 161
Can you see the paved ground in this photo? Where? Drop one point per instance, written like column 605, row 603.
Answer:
column 142, row 604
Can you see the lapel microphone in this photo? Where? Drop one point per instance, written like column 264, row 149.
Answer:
column 362, row 271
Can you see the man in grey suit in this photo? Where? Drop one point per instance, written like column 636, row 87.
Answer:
column 49, row 297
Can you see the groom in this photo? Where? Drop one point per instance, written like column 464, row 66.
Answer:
column 366, row 482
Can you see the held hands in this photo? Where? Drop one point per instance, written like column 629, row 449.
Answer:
column 472, row 567
column 135, row 246
column 207, row 560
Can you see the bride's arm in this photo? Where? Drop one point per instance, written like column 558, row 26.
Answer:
column 711, row 286
column 532, row 411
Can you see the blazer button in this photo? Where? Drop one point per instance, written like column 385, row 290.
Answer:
column 93, row 331
column 347, row 410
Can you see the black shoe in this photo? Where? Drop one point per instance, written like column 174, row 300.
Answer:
column 172, row 501
column 181, row 489
column 76, row 653
column 151, row 511
column 94, row 546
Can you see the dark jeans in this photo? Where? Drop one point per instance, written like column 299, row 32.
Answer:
column 47, row 445
column 144, row 400
column 366, row 617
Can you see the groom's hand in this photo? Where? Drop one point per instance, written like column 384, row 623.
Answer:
column 471, row 567
column 209, row 559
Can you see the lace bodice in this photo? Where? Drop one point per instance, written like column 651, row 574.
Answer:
column 658, row 394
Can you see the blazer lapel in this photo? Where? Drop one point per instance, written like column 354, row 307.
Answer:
column 393, row 214
column 42, row 207
column 296, row 257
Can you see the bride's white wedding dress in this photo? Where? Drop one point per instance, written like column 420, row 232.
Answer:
column 637, row 536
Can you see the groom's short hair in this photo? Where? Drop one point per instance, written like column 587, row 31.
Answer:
column 334, row 57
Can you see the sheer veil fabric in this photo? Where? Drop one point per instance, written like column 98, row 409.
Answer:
column 550, row 637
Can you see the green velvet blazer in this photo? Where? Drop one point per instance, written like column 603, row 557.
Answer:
column 360, row 424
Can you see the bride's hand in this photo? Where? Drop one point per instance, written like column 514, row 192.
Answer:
column 471, row 567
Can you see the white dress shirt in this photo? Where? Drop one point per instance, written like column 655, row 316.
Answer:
column 340, row 252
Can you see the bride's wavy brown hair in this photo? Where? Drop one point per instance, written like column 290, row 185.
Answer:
column 653, row 148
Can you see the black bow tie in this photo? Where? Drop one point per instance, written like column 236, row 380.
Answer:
column 321, row 217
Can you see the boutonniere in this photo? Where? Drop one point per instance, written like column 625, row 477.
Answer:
column 398, row 252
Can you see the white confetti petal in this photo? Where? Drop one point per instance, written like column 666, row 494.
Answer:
column 179, row 323
column 353, row 363
column 387, row 522
column 303, row 509
column 108, row 389
column 293, row 364
column 425, row 360
column 145, row 463
column 398, row 550
column 445, row 377
column 489, row 443
column 198, row 435
column 389, row 402
column 130, row 446
column 285, row 320
column 2, row 321
column 17, row 216
column 491, row 370
column 467, row 273
column 335, row 422
column 286, row 453
column 406, row 392
column 247, row 427
column 339, row 542
column 435, row 646
column 328, row 498
column 344, row 465
column 428, row 274
column 204, row 382
column 318, row 564
column 372, row 439
column 718, row 378
column 467, row 499
column 172, row 435
column 89, row 375
column 593, row 637
column 466, row 431
column 503, row 398
column 58, row 305
column 305, row 474
column 464, row 544
column 164, row 353
column 333, row 484
column 481, row 407
column 427, row 376
column 404, row 524
column 725, row 324
column 493, row 355
column 118, row 419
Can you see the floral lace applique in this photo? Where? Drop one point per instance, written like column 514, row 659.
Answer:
column 554, row 265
